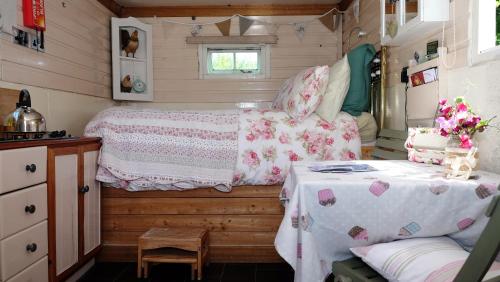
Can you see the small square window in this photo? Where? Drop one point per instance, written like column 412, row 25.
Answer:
column 234, row 61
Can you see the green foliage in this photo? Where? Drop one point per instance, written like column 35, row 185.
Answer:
column 222, row 61
column 234, row 61
column 498, row 22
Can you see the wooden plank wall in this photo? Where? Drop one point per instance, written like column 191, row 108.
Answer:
column 77, row 57
column 369, row 21
column 175, row 63
column 242, row 223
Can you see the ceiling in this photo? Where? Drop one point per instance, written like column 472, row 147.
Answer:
column 143, row 3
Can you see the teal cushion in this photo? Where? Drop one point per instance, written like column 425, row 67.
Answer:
column 358, row 96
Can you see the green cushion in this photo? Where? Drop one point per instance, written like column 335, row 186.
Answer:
column 358, row 96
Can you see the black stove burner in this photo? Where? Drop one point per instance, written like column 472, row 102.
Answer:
column 13, row 136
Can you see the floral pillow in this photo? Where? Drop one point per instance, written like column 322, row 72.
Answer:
column 284, row 91
column 301, row 95
column 434, row 259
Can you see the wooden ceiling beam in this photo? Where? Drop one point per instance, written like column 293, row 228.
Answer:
column 344, row 4
column 112, row 6
column 226, row 10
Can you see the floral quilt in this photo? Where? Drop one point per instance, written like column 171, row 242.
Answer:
column 269, row 141
column 152, row 149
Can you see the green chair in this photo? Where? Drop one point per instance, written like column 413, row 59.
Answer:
column 474, row 268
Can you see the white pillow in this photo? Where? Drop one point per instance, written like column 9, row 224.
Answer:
column 436, row 259
column 338, row 85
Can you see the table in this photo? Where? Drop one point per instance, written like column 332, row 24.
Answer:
column 173, row 245
column 327, row 213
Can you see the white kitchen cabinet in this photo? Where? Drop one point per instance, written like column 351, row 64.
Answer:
column 92, row 203
column 74, row 207
column 66, row 207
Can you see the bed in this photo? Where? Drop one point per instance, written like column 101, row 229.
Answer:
column 249, row 158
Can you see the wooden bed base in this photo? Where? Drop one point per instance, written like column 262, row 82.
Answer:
column 242, row 223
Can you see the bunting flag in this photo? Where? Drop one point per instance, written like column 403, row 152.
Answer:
column 196, row 30
column 245, row 24
column 272, row 28
column 355, row 10
column 300, row 29
column 330, row 20
column 224, row 27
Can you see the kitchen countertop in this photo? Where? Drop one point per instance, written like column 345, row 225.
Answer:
column 48, row 142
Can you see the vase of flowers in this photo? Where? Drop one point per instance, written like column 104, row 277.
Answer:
column 458, row 122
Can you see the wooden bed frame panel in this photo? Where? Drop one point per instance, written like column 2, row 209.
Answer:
column 242, row 223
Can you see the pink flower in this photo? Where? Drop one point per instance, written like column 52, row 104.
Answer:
column 250, row 137
column 251, row 159
column 462, row 107
column 268, row 134
column 329, row 140
column 284, row 138
column 325, row 125
column 465, row 141
column 293, row 156
column 442, row 102
column 276, row 170
column 446, row 110
column 292, row 122
column 312, row 149
column 306, row 135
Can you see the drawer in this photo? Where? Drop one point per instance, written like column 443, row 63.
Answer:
column 14, row 253
column 22, row 167
column 37, row 272
column 24, row 208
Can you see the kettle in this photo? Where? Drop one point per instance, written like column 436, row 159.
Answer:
column 24, row 118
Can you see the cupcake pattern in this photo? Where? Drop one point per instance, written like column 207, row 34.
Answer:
column 485, row 190
column 306, row 222
column 358, row 233
column 409, row 229
column 295, row 219
column 326, row 197
column 378, row 188
column 465, row 223
column 438, row 189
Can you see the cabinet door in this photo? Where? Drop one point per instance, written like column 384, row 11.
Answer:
column 92, row 203
column 66, row 211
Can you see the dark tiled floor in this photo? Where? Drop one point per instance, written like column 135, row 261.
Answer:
column 216, row 272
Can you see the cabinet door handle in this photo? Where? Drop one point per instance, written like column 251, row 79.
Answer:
column 30, row 209
column 85, row 189
column 31, row 168
column 31, row 247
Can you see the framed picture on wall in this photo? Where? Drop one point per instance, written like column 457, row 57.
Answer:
column 132, row 55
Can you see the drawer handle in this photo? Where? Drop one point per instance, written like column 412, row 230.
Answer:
column 30, row 209
column 31, row 247
column 31, row 168
column 85, row 189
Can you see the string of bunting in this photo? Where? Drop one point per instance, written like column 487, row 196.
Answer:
column 329, row 19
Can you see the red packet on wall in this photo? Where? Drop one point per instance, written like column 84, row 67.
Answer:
column 417, row 79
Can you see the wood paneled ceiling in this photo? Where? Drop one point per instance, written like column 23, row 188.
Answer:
column 214, row 8
column 159, row 3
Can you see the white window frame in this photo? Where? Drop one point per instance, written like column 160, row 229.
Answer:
column 264, row 62
column 482, row 25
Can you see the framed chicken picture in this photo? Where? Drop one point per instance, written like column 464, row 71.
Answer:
column 132, row 60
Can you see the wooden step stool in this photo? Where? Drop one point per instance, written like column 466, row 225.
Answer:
column 173, row 245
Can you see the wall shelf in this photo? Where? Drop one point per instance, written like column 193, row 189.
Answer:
column 132, row 71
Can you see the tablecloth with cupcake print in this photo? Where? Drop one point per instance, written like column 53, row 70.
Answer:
column 328, row 213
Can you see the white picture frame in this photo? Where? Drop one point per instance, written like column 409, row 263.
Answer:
column 139, row 66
